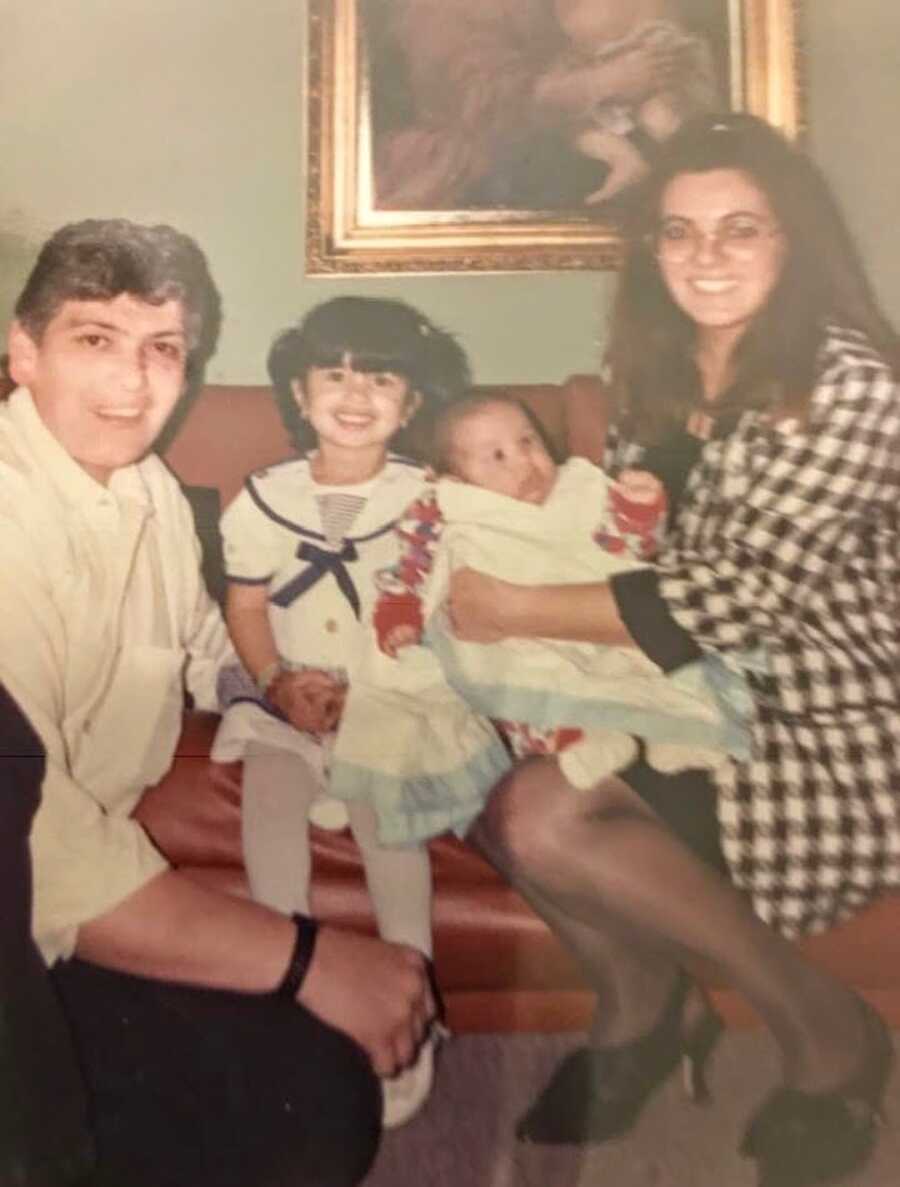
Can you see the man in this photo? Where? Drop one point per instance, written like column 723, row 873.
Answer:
column 198, row 1073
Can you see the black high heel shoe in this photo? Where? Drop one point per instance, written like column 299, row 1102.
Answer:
column 597, row 1093
column 801, row 1139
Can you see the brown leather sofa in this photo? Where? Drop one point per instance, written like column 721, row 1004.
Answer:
column 499, row 966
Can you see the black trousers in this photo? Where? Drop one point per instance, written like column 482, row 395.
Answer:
column 44, row 1138
column 177, row 1087
column 200, row 1088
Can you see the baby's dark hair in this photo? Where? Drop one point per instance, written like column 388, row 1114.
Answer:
column 378, row 335
column 452, row 415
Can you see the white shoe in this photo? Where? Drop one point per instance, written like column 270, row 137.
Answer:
column 404, row 1095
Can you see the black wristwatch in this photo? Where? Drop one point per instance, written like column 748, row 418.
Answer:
column 301, row 957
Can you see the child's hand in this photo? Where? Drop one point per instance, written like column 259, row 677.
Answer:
column 329, row 703
column 397, row 620
column 397, row 638
column 638, row 505
column 640, row 486
column 312, row 701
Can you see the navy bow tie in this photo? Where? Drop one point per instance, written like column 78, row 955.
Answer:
column 321, row 561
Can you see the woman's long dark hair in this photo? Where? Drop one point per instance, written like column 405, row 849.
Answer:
column 651, row 353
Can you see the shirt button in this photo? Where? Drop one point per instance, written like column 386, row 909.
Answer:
column 331, row 626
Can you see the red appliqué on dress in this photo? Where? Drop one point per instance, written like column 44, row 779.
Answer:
column 525, row 740
column 636, row 526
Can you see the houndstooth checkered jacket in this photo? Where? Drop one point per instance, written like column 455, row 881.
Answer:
column 788, row 541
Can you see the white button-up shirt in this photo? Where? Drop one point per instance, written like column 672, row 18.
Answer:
column 103, row 617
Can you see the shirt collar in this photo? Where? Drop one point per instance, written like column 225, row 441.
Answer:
column 71, row 480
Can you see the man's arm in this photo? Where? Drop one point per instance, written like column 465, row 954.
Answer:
column 84, row 859
column 202, row 628
column 100, row 883
column 176, row 930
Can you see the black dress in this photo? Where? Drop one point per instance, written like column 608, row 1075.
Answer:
column 684, row 801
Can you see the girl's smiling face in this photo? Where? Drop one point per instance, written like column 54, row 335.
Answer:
column 719, row 248
column 350, row 409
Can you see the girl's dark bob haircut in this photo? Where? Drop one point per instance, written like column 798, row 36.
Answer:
column 377, row 335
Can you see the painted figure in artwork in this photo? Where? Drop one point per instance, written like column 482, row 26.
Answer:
column 528, row 104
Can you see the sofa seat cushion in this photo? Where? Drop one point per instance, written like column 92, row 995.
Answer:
column 485, row 935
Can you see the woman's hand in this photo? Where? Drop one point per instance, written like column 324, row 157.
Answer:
column 478, row 606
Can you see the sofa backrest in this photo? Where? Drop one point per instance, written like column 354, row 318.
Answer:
column 232, row 430
column 228, row 432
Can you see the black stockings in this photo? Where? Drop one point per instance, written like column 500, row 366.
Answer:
column 630, row 899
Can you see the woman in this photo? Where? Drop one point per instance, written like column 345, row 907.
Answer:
column 756, row 376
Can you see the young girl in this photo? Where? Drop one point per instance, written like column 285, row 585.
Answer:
column 302, row 543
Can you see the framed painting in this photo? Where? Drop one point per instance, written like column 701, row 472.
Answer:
column 504, row 135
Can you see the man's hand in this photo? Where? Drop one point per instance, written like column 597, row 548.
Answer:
column 311, row 700
column 377, row 993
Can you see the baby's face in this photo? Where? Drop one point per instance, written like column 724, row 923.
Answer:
column 496, row 447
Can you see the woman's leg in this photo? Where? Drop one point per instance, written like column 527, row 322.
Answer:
column 278, row 789
column 602, row 855
column 631, row 975
column 399, row 882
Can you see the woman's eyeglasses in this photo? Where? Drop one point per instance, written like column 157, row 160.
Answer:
column 740, row 237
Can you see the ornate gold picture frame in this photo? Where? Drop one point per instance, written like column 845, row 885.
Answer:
column 375, row 145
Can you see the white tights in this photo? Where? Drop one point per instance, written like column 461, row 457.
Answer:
column 278, row 790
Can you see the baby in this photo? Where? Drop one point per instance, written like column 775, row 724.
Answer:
column 416, row 737
column 492, row 443
column 630, row 76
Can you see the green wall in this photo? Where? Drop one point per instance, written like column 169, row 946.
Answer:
column 191, row 112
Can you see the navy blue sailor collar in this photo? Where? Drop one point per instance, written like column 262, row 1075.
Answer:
column 286, row 495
